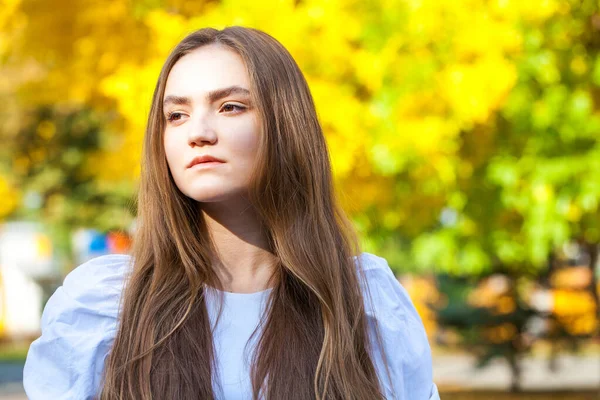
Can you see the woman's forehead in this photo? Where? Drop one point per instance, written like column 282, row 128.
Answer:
column 205, row 70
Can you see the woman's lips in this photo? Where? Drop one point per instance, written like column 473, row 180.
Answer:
column 207, row 164
column 206, row 158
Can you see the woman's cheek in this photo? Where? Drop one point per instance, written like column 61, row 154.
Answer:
column 245, row 143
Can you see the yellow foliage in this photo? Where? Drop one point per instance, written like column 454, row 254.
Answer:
column 11, row 197
column 493, row 294
column 506, row 305
column 473, row 91
column 582, row 326
column 575, row 311
column 402, row 92
column 501, row 333
column 574, row 213
column 421, row 135
column 543, row 193
column 577, row 277
column 44, row 246
column 531, row 11
column 571, row 303
column 21, row 164
column 46, row 130
column 423, row 291
column 345, row 135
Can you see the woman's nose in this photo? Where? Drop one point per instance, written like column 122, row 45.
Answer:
column 202, row 131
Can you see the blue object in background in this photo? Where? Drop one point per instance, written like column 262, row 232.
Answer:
column 98, row 243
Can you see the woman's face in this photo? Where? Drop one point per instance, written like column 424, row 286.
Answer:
column 208, row 112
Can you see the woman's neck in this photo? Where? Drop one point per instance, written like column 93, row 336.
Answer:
column 244, row 262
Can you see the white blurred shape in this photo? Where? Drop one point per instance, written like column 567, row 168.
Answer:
column 21, row 303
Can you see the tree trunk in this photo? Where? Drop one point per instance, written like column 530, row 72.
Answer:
column 515, row 369
column 592, row 249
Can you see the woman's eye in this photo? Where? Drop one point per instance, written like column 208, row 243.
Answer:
column 232, row 108
column 174, row 116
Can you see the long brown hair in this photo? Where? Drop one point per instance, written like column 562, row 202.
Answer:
column 314, row 342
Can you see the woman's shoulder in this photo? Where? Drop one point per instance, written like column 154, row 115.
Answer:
column 392, row 314
column 92, row 289
column 385, row 297
column 380, row 285
column 105, row 268
column 79, row 323
column 99, row 279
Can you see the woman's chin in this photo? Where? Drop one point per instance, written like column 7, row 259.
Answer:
column 214, row 196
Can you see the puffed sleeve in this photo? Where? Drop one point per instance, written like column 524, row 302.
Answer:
column 403, row 338
column 78, row 329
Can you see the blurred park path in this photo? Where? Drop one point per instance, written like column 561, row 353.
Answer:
column 573, row 373
column 13, row 396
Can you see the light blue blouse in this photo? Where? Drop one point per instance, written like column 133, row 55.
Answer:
column 79, row 326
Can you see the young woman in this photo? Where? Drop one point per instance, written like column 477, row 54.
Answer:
column 245, row 279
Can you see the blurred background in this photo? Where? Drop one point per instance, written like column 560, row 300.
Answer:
column 464, row 136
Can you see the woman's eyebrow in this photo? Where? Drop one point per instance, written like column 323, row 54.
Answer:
column 212, row 96
column 177, row 100
column 218, row 94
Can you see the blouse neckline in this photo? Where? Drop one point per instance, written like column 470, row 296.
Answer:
column 241, row 296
